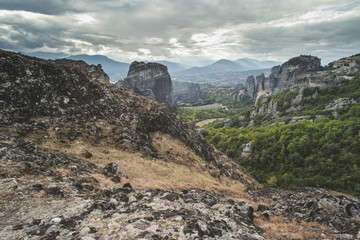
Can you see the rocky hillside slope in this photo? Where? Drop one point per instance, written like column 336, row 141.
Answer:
column 83, row 159
column 151, row 80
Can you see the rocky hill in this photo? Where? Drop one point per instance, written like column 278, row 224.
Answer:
column 96, row 72
column 298, row 72
column 301, row 74
column 84, row 159
column 151, row 80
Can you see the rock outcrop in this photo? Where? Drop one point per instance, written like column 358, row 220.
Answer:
column 300, row 72
column 346, row 65
column 151, row 80
column 96, row 72
column 281, row 77
column 311, row 205
column 247, row 150
column 192, row 94
column 340, row 103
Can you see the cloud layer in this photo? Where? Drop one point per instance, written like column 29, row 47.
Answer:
column 192, row 31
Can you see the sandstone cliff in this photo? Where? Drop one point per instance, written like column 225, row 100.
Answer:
column 151, row 80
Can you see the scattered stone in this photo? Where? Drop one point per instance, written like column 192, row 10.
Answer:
column 247, row 150
column 116, row 179
column 127, row 185
column 87, row 154
column 227, row 123
column 111, row 169
column 202, row 131
column 171, row 197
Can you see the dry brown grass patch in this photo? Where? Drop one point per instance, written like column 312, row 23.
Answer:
column 280, row 228
column 182, row 169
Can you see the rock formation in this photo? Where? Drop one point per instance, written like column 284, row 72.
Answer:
column 281, row 77
column 346, row 65
column 96, row 72
column 340, row 103
column 192, row 94
column 151, row 80
column 247, row 150
column 299, row 72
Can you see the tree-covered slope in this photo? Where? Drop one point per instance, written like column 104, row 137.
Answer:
column 322, row 151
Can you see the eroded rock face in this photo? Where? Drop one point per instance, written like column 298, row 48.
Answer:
column 151, row 80
column 192, row 94
column 281, row 77
column 293, row 68
column 302, row 72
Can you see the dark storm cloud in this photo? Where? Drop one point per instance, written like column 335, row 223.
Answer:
column 179, row 28
column 56, row 7
column 39, row 6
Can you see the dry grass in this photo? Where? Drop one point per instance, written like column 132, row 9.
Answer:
column 279, row 228
column 334, row 193
column 181, row 169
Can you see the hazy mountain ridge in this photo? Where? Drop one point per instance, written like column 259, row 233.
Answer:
column 220, row 71
column 225, row 65
column 115, row 69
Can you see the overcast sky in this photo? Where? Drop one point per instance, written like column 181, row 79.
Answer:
column 192, row 31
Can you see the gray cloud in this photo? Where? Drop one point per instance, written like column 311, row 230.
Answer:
column 313, row 39
column 182, row 29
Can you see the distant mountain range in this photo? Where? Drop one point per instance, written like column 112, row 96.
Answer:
column 225, row 65
column 118, row 70
column 225, row 72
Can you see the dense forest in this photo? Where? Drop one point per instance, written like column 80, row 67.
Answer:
column 320, row 152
